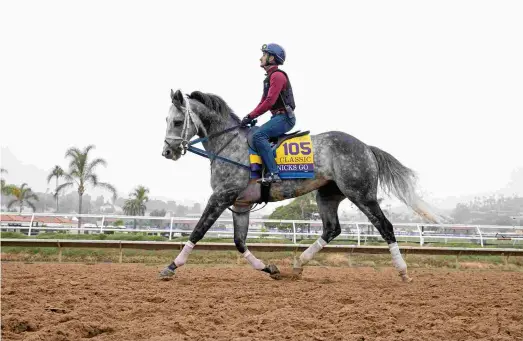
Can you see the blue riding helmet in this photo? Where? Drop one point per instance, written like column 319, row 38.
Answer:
column 275, row 50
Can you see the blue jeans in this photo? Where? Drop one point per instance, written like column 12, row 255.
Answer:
column 277, row 126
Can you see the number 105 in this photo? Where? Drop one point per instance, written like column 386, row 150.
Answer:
column 293, row 148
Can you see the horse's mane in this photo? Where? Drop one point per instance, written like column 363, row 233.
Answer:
column 215, row 103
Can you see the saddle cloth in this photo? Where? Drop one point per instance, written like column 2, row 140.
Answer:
column 294, row 157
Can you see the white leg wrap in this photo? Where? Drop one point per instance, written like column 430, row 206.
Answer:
column 397, row 260
column 255, row 262
column 182, row 256
column 308, row 254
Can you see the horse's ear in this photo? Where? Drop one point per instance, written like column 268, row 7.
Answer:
column 177, row 97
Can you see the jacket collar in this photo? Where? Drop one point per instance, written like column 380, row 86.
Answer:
column 271, row 70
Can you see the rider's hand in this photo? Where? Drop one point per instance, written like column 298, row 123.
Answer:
column 246, row 120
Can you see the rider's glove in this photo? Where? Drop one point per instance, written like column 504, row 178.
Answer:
column 246, row 120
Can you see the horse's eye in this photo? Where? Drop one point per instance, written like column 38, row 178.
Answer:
column 178, row 123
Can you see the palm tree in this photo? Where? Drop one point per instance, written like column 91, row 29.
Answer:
column 131, row 208
column 3, row 188
column 23, row 196
column 135, row 205
column 82, row 173
column 57, row 173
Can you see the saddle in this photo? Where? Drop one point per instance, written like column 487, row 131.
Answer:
column 295, row 159
column 275, row 141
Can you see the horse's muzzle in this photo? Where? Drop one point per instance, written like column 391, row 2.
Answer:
column 167, row 152
column 170, row 153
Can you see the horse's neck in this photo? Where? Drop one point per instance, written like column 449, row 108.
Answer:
column 215, row 144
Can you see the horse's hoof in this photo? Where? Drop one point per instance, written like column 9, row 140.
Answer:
column 296, row 273
column 276, row 277
column 273, row 271
column 166, row 274
column 404, row 277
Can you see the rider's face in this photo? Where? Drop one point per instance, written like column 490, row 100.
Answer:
column 264, row 60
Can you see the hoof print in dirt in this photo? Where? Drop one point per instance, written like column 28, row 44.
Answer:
column 297, row 272
column 56, row 310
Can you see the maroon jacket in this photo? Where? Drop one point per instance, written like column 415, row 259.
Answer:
column 278, row 83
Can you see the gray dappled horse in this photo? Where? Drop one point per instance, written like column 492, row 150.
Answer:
column 344, row 167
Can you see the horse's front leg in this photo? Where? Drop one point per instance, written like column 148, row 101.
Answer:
column 240, row 218
column 217, row 203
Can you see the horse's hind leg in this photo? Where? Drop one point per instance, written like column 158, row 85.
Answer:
column 370, row 207
column 241, row 228
column 328, row 199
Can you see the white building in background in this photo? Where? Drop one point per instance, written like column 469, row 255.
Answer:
column 111, row 209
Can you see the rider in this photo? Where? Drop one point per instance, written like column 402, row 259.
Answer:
column 278, row 97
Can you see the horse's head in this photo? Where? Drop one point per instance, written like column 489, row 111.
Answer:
column 182, row 124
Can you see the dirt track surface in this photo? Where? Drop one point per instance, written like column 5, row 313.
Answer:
column 127, row 302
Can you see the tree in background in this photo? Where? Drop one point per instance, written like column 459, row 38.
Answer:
column 82, row 172
column 135, row 205
column 119, row 222
column 4, row 189
column 57, row 173
column 158, row 213
column 155, row 204
column 98, row 204
column 196, row 208
column 181, row 210
column 23, row 195
column 44, row 200
column 493, row 210
column 301, row 208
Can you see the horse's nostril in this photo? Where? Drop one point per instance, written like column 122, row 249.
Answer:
column 166, row 153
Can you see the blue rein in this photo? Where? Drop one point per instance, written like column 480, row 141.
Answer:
column 212, row 156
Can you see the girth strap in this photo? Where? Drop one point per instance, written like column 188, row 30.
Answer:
column 265, row 192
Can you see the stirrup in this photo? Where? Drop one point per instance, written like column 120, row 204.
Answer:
column 272, row 178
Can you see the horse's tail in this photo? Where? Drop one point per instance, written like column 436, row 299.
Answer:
column 401, row 181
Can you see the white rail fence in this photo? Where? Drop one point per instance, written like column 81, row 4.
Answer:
column 361, row 232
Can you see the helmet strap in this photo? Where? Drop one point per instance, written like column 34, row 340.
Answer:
column 267, row 60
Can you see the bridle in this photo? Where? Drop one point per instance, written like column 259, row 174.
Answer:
column 190, row 118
